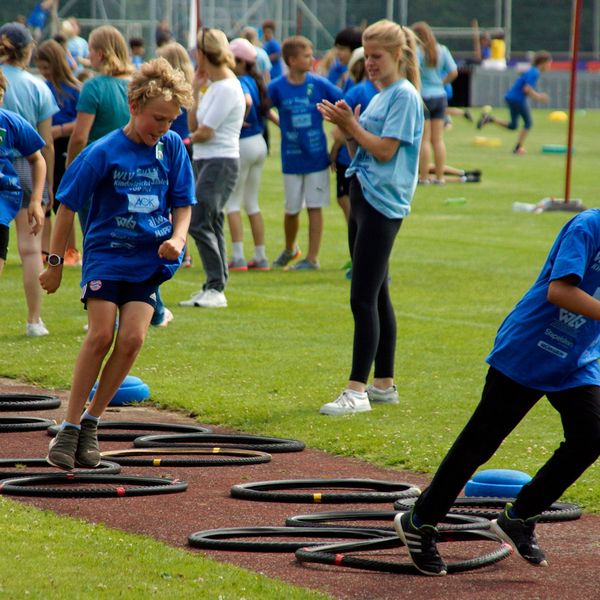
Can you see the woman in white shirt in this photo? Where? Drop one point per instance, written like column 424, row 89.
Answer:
column 215, row 122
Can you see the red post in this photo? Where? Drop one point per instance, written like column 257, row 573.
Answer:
column 575, row 22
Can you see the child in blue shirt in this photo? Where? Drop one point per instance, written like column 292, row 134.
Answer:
column 273, row 48
column 517, row 100
column 304, row 156
column 549, row 345
column 16, row 134
column 142, row 189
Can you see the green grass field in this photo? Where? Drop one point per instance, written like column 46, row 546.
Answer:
column 283, row 346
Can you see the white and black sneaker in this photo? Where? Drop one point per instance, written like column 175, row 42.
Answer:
column 421, row 545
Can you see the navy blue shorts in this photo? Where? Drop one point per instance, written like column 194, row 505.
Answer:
column 120, row 292
column 342, row 182
column 519, row 109
column 4, row 231
column 436, row 107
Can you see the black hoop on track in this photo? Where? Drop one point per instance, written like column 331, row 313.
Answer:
column 10, row 424
column 220, row 539
column 224, row 440
column 327, row 519
column 335, row 554
column 489, row 507
column 383, row 491
column 212, row 457
column 135, row 429
column 20, row 402
column 71, row 485
column 26, row 467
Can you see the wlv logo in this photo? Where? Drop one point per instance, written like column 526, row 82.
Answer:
column 571, row 319
column 126, row 222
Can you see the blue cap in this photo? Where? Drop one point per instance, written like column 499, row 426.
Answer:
column 18, row 34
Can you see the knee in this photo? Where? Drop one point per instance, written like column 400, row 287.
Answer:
column 100, row 341
column 130, row 343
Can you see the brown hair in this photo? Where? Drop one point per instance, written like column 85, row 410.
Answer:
column 3, row 84
column 13, row 55
column 115, row 56
column 541, row 57
column 294, row 45
column 178, row 58
column 269, row 24
column 158, row 79
column 54, row 54
column 394, row 37
column 427, row 39
column 214, row 45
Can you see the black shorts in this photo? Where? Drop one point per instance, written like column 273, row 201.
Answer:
column 4, row 231
column 342, row 182
column 436, row 107
column 120, row 292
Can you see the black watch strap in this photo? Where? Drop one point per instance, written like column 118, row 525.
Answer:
column 54, row 260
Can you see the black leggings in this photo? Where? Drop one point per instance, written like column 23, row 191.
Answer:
column 371, row 237
column 504, row 403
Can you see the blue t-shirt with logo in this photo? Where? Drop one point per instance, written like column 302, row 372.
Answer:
column 396, row 112
column 361, row 93
column 16, row 134
column 517, row 92
column 541, row 345
column 253, row 122
column 303, row 141
column 133, row 189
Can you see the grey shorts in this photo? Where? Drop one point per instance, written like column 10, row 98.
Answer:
column 23, row 170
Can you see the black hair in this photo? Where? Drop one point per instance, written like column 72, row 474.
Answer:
column 136, row 42
column 351, row 37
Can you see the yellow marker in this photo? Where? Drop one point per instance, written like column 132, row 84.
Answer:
column 216, row 450
column 317, row 497
column 156, row 462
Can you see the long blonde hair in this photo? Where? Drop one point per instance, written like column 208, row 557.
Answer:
column 115, row 57
column 178, row 58
column 395, row 37
column 214, row 45
column 426, row 38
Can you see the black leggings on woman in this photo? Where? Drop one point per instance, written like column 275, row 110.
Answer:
column 371, row 236
column 503, row 405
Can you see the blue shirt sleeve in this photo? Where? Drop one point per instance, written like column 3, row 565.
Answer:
column 401, row 121
column 573, row 254
column 79, row 181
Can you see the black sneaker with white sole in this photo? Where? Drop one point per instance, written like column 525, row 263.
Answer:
column 421, row 545
column 520, row 534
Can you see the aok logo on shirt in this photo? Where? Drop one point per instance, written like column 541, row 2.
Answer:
column 142, row 203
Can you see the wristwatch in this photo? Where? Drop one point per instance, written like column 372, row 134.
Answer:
column 54, row 260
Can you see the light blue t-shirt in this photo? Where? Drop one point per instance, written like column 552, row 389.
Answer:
column 28, row 95
column 432, row 78
column 545, row 347
column 263, row 62
column 16, row 134
column 303, row 141
column 106, row 98
column 361, row 93
column 396, row 112
column 253, row 122
column 133, row 189
column 517, row 92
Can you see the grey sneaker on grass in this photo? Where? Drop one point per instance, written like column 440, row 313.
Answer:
column 88, row 451
column 304, row 265
column 286, row 257
column 62, row 449
column 380, row 396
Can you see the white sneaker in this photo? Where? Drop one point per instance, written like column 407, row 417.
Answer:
column 212, row 299
column 36, row 329
column 379, row 396
column 348, row 402
column 167, row 318
column 192, row 301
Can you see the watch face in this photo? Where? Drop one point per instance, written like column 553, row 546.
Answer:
column 54, row 260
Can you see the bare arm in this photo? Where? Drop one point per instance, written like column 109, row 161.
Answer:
column 63, row 130
column 80, row 135
column 35, row 211
column 565, row 294
column 51, row 277
column 45, row 130
column 539, row 96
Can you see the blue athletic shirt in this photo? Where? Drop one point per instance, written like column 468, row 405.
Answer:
column 432, row 78
column 67, row 100
column 361, row 93
column 253, row 122
column 180, row 125
column 15, row 134
column 396, row 112
column 274, row 47
column 133, row 189
column 517, row 93
column 545, row 347
column 303, row 141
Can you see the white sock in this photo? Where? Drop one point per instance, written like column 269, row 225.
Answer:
column 259, row 252
column 237, row 250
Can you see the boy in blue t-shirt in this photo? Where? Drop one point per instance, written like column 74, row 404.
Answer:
column 549, row 345
column 304, row 155
column 517, row 100
column 142, row 188
column 17, row 135
column 273, row 48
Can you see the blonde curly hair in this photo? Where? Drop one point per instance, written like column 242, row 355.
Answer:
column 158, row 79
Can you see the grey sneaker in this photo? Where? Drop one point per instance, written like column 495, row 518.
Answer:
column 347, row 403
column 237, row 264
column 520, row 534
column 304, row 265
column 259, row 264
column 379, row 396
column 88, row 452
column 286, row 257
column 61, row 451
column 421, row 545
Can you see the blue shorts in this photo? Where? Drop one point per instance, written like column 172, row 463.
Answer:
column 519, row 109
column 436, row 107
column 4, row 231
column 120, row 292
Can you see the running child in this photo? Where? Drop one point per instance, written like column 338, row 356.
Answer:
column 142, row 188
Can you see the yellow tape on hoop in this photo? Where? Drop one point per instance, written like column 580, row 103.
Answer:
column 317, row 498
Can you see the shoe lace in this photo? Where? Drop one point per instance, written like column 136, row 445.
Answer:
column 345, row 400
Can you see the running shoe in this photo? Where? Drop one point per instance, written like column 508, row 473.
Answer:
column 259, row 264
column 238, row 264
column 348, row 402
column 304, row 265
column 36, row 329
column 380, row 396
column 286, row 257
column 62, row 449
column 87, row 454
